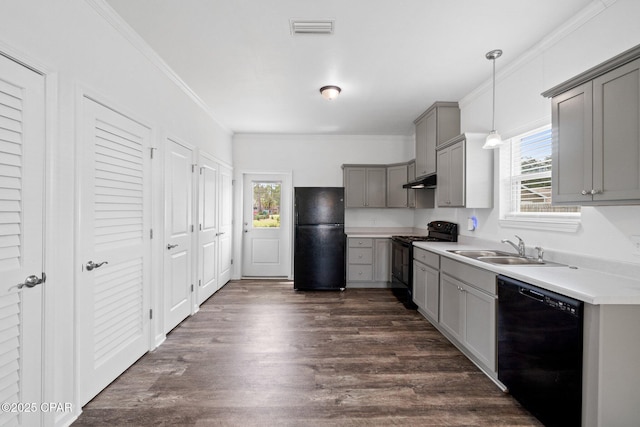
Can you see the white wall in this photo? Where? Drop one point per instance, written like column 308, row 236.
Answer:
column 81, row 51
column 316, row 160
column 605, row 231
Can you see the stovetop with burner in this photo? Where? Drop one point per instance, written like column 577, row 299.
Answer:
column 439, row 231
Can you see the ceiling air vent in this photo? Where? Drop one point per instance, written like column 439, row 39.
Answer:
column 299, row 26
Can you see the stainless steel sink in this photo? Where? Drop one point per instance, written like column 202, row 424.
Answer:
column 480, row 253
column 511, row 260
column 501, row 258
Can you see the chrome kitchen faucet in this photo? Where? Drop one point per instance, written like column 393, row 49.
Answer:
column 519, row 247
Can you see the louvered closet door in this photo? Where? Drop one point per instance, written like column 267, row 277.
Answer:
column 22, row 150
column 113, row 298
column 178, row 173
column 208, row 229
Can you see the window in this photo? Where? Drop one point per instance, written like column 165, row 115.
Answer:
column 266, row 204
column 526, row 182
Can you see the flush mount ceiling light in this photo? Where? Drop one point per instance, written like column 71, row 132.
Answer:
column 493, row 139
column 330, row 92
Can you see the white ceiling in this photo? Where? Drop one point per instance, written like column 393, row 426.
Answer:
column 392, row 58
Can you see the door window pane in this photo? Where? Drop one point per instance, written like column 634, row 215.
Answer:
column 266, row 204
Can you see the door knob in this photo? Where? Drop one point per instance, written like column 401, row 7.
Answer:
column 170, row 246
column 32, row 281
column 91, row 265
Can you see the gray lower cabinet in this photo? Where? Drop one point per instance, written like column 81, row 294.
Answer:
column 468, row 310
column 596, row 135
column 426, row 283
column 368, row 261
column 365, row 186
column 465, row 172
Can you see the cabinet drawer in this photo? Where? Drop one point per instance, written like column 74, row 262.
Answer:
column 426, row 257
column 362, row 273
column 481, row 279
column 360, row 243
column 360, row 256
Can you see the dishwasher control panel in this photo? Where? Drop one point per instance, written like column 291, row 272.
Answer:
column 561, row 305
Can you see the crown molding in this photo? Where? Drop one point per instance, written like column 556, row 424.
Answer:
column 116, row 21
column 578, row 20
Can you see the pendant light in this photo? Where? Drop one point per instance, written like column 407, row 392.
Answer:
column 493, row 139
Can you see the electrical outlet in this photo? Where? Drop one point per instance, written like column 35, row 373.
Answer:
column 635, row 239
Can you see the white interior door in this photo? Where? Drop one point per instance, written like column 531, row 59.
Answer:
column 113, row 245
column 225, row 224
column 178, row 282
column 22, row 136
column 266, row 225
column 207, row 228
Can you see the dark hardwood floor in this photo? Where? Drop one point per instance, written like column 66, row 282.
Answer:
column 259, row 353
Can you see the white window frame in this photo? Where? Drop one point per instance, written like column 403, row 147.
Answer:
column 545, row 221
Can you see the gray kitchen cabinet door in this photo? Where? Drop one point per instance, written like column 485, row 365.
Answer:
column 437, row 124
column 396, row 195
column 457, row 175
column 480, row 325
column 452, row 307
column 355, row 183
column 382, row 263
column 411, row 194
column 451, row 183
column 432, row 293
column 421, row 147
column 419, row 284
column 465, row 172
column 444, row 182
column 426, row 133
column 365, row 186
column 376, row 187
column 572, row 154
column 616, row 140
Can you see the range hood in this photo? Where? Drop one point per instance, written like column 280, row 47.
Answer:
column 428, row 181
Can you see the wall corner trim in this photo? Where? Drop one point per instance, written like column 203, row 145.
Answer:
column 116, row 21
column 578, row 20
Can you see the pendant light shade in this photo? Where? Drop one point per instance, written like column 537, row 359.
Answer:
column 330, row 92
column 493, row 139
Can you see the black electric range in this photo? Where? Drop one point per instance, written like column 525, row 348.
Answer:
column 402, row 257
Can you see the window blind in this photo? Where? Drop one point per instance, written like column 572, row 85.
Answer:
column 530, row 172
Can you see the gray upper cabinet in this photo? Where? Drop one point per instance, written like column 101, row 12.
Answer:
column 397, row 196
column 365, row 186
column 411, row 194
column 572, row 160
column 438, row 124
column 465, row 173
column 596, row 139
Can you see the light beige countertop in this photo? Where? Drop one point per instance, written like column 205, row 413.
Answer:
column 596, row 286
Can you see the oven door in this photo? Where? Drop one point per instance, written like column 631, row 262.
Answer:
column 400, row 262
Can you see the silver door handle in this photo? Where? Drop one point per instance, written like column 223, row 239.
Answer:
column 91, row 265
column 32, row 281
column 220, row 234
column 170, row 246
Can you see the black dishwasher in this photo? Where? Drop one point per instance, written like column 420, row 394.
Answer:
column 540, row 351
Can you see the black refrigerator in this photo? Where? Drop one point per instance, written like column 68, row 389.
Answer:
column 319, row 242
